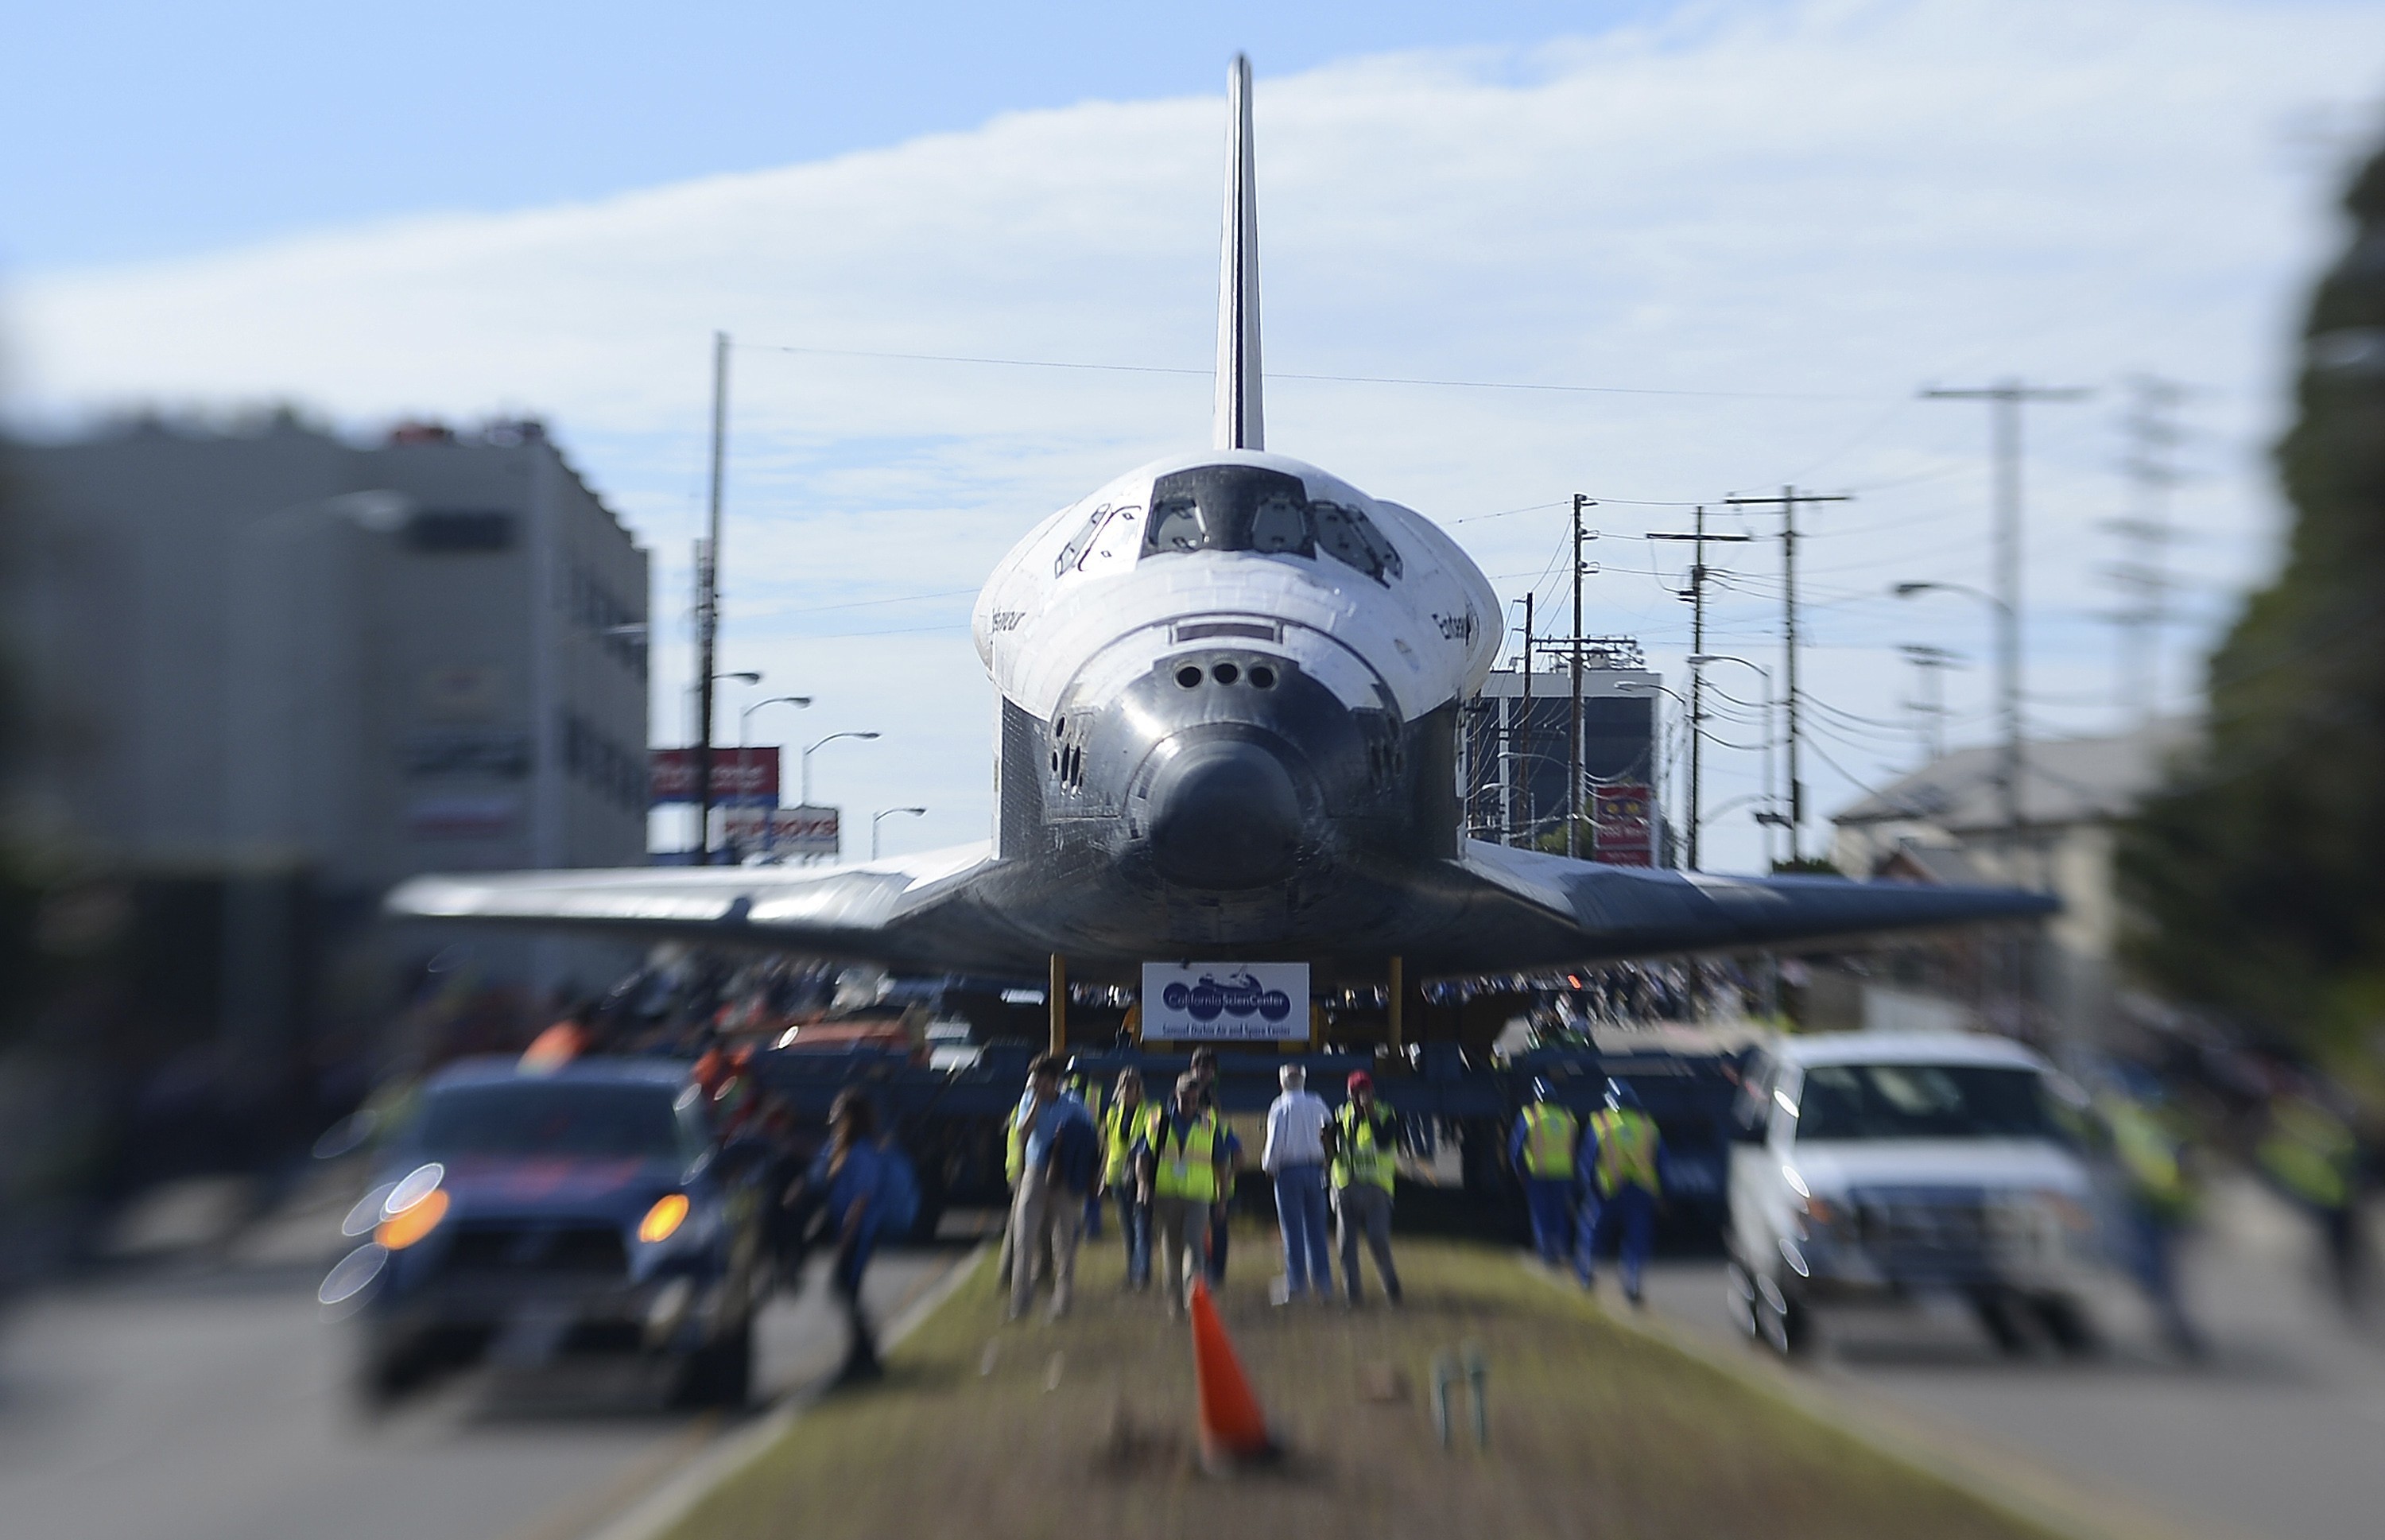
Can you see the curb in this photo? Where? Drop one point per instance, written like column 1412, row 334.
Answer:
column 677, row 1496
column 2005, row 1479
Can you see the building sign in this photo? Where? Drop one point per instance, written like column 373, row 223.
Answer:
column 1623, row 826
column 465, row 751
column 806, row 832
column 1224, row 1002
column 740, row 776
column 462, row 818
column 782, row 832
column 461, row 693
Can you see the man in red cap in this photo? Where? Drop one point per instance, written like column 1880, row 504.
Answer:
column 1363, row 1139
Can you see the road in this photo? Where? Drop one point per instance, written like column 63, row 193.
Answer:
column 205, row 1400
column 2278, row 1434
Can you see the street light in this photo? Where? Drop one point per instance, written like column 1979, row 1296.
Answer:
column 1650, row 687
column 743, row 676
column 2007, row 687
column 797, row 701
column 1771, row 818
column 887, row 813
column 807, row 759
column 702, row 693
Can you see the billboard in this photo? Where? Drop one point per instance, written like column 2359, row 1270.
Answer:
column 784, row 832
column 1224, row 1002
column 1623, row 825
column 740, row 776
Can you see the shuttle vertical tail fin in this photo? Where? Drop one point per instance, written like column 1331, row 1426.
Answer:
column 1241, row 421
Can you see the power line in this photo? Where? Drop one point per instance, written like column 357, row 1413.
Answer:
column 1324, row 379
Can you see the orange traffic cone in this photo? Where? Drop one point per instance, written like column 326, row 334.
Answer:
column 1233, row 1430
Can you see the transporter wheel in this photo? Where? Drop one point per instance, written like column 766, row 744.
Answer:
column 2066, row 1322
column 1999, row 1315
column 1739, row 1297
column 720, row 1373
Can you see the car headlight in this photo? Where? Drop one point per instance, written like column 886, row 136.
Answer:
column 2067, row 1211
column 412, row 1222
column 662, row 1221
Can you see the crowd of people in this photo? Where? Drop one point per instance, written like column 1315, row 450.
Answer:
column 1169, row 1167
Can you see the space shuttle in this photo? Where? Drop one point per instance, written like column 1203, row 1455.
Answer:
column 1229, row 689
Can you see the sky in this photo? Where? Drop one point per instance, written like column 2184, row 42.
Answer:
column 1668, row 253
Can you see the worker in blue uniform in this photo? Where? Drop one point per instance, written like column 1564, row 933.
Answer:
column 1545, row 1150
column 1622, row 1188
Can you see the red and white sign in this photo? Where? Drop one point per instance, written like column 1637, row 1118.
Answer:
column 1623, row 825
column 782, row 831
column 740, row 776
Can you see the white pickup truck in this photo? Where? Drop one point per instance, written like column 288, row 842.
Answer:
column 1879, row 1168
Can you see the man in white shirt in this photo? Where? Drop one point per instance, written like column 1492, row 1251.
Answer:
column 1295, row 1156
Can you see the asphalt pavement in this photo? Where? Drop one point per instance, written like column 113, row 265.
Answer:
column 2281, row 1434
column 202, row 1395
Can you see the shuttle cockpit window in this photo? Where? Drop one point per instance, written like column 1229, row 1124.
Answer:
column 1105, row 543
column 1349, row 535
column 1246, row 508
column 1177, row 525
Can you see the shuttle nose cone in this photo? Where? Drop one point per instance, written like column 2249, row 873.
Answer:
column 1226, row 816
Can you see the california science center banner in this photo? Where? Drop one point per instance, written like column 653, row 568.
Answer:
column 1224, row 1002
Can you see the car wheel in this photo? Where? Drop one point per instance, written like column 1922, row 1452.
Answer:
column 720, row 1373
column 2068, row 1324
column 387, row 1367
column 1782, row 1319
column 1739, row 1298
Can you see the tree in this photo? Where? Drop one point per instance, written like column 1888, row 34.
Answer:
column 2257, row 875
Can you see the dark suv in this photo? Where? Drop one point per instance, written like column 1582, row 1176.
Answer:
column 525, row 1216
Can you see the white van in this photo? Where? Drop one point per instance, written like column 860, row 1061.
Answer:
column 1879, row 1168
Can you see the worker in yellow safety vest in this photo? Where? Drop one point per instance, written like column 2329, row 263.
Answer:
column 2312, row 1155
column 1619, row 1155
column 1181, row 1172
column 1543, row 1151
column 2159, row 1205
column 1121, row 1124
column 1364, row 1138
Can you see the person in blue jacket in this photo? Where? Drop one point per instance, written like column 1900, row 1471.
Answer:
column 850, row 1169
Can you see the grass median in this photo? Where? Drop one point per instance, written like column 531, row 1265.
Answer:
column 1086, row 1428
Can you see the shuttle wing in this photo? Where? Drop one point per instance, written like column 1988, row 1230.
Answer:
column 1532, row 910
column 921, row 911
column 1493, row 910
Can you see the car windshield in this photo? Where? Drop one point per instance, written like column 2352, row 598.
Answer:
column 532, row 1118
column 1921, row 1101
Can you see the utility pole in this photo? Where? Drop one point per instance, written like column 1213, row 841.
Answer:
column 1929, row 665
column 1788, row 500
column 1531, row 817
column 708, row 612
column 1573, row 733
column 2006, row 399
column 1696, row 594
column 2143, row 575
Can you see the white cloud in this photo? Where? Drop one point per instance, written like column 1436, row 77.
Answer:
column 1821, row 206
